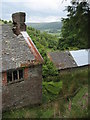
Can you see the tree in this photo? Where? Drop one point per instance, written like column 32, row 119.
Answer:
column 50, row 72
column 10, row 21
column 5, row 22
column 74, row 32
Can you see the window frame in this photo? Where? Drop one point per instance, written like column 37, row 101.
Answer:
column 18, row 76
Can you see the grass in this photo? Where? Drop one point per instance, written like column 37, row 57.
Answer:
column 79, row 104
column 37, row 112
column 72, row 81
column 80, row 94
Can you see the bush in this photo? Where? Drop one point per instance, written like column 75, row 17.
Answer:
column 10, row 21
column 50, row 72
column 5, row 22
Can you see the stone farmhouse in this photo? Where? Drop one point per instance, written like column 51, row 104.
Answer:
column 21, row 66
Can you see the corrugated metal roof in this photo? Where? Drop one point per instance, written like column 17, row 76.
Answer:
column 81, row 56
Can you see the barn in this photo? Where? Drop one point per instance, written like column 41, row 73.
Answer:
column 70, row 60
column 21, row 66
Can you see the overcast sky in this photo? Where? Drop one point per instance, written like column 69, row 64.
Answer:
column 36, row 10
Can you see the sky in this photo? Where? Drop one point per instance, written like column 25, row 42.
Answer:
column 36, row 10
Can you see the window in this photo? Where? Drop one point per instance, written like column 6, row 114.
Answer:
column 20, row 74
column 14, row 75
column 9, row 76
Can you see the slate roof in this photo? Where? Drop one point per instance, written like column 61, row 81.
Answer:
column 70, row 59
column 62, row 59
column 15, row 50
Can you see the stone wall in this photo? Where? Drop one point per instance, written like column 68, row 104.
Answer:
column 24, row 93
column 4, row 78
column 73, row 70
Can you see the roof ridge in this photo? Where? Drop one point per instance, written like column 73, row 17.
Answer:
column 32, row 46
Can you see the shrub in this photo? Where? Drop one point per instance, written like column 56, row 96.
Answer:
column 5, row 22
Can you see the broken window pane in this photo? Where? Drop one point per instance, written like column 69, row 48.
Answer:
column 20, row 74
column 15, row 76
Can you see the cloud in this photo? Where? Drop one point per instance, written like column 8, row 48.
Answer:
column 42, row 4
column 36, row 10
column 38, row 19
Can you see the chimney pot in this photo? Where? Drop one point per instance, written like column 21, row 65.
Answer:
column 19, row 22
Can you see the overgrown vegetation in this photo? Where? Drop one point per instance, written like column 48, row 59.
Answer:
column 61, row 99
column 45, row 43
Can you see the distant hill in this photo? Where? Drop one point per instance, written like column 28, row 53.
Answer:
column 51, row 27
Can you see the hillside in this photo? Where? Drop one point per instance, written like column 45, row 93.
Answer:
column 52, row 27
column 44, row 42
column 63, row 96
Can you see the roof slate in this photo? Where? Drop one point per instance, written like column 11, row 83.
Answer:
column 62, row 59
column 15, row 50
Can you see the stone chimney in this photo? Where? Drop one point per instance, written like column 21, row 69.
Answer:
column 18, row 22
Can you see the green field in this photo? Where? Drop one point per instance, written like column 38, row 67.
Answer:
column 1, row 22
column 52, row 28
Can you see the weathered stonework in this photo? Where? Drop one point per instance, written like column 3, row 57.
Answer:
column 73, row 70
column 24, row 93
column 18, row 22
column 21, row 66
column 4, row 78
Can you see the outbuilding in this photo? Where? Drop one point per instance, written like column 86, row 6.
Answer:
column 70, row 60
